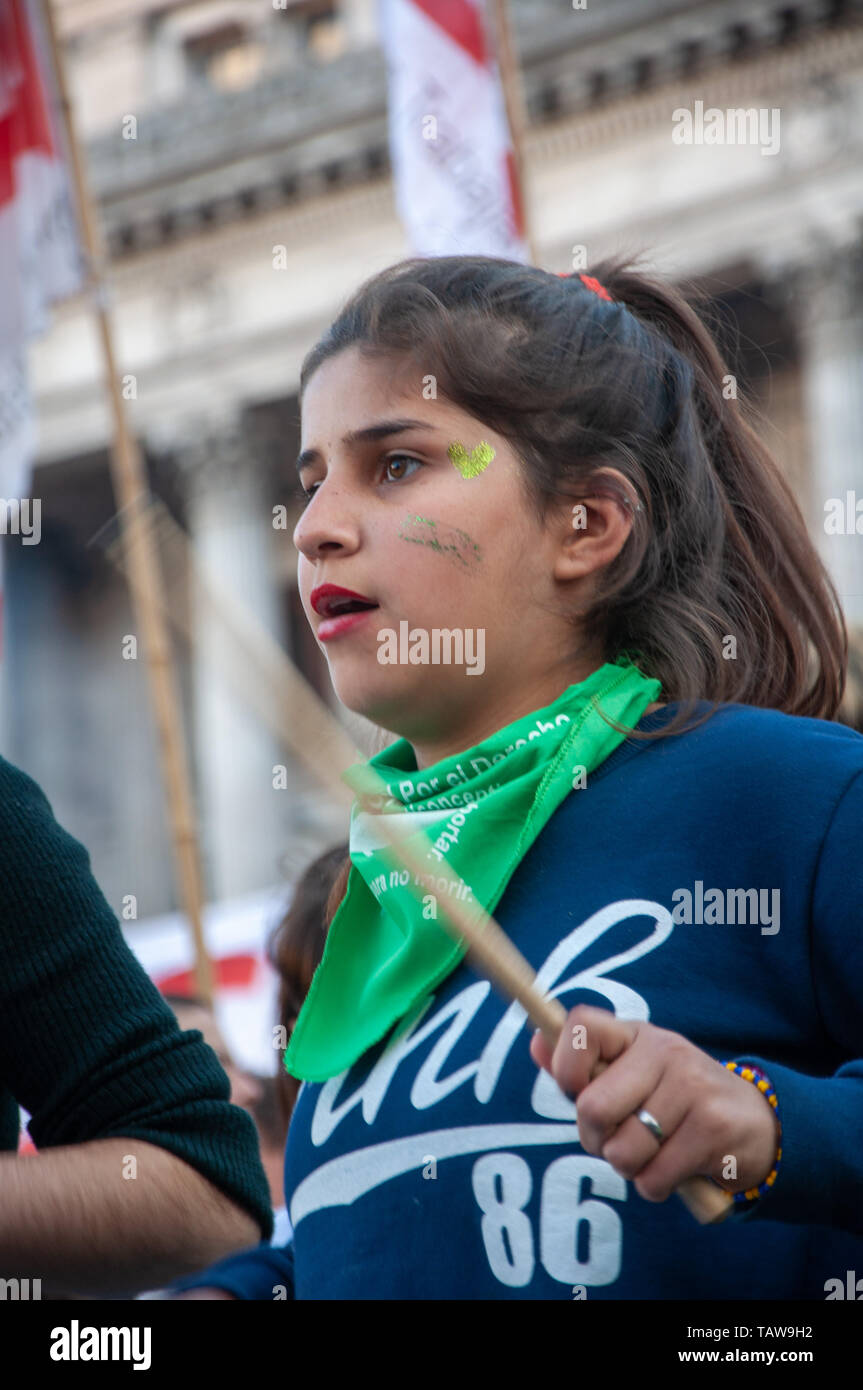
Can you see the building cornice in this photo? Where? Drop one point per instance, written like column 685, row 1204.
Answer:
column 298, row 135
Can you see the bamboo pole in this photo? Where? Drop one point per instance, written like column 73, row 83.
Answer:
column 516, row 115
column 130, row 490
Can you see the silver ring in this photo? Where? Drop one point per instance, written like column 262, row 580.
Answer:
column 652, row 1124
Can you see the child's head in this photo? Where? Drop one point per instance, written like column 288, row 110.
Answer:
column 628, row 505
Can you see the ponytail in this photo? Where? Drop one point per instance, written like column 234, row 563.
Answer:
column 763, row 587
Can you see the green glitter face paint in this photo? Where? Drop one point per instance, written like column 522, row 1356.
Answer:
column 470, row 465
column 446, row 540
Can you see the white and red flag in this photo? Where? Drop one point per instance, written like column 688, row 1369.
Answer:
column 40, row 254
column 456, row 184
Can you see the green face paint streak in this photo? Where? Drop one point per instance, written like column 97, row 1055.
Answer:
column 446, row 540
column 470, row 465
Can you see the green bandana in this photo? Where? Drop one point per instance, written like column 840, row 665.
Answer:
column 481, row 810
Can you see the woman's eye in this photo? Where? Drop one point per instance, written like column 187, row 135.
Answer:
column 398, row 459
column 398, row 462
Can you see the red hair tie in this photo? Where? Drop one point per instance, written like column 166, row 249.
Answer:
column 594, row 285
column 591, row 283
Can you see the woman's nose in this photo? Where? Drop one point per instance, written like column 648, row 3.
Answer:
column 329, row 521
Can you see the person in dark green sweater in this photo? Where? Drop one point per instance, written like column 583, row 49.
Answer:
column 145, row 1170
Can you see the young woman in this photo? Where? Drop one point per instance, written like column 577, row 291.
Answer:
column 537, row 519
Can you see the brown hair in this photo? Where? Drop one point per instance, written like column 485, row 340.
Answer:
column 296, row 945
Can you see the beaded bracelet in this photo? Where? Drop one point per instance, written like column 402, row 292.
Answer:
column 759, row 1079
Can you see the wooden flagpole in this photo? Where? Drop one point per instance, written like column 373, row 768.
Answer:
column 516, row 115
column 131, row 493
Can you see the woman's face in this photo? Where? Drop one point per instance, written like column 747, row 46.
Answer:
column 393, row 519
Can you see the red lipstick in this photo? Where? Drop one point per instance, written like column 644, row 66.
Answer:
column 341, row 609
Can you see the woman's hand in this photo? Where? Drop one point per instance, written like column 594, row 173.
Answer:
column 708, row 1114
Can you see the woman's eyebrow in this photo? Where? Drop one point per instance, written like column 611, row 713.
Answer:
column 369, row 434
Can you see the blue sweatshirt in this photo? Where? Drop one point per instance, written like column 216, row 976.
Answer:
column 709, row 882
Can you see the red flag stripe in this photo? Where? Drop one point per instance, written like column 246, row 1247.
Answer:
column 461, row 21
column 231, row 972
column 27, row 126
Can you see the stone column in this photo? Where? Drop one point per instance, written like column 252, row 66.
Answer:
column 243, row 820
column 828, row 300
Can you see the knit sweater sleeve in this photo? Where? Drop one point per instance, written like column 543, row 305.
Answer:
column 87, row 1044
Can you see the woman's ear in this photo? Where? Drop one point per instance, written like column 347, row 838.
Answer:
column 592, row 532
